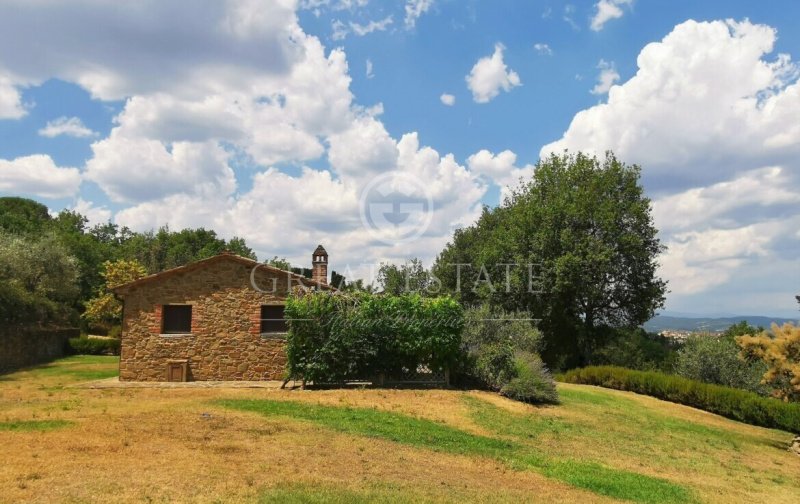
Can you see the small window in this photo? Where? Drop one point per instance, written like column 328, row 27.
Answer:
column 272, row 320
column 176, row 319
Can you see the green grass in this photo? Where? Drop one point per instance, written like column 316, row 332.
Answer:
column 33, row 425
column 77, row 368
column 380, row 424
column 324, row 494
column 418, row 432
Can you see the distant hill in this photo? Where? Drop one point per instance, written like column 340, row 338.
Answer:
column 663, row 322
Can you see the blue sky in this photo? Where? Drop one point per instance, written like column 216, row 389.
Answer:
column 268, row 119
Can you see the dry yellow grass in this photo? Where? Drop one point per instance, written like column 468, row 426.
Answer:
column 177, row 445
column 173, row 445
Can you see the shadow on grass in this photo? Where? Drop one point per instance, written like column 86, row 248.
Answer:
column 408, row 430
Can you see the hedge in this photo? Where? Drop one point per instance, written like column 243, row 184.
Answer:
column 335, row 337
column 94, row 346
column 733, row 403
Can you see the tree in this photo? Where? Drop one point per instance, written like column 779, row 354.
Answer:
column 280, row 263
column 38, row 280
column 104, row 308
column 575, row 246
column 358, row 286
column 22, row 215
column 780, row 351
column 338, row 280
column 410, row 276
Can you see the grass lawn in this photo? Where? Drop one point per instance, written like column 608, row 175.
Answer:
column 66, row 444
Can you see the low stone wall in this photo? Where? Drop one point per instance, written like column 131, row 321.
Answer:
column 26, row 346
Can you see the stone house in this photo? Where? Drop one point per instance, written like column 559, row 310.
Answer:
column 219, row 318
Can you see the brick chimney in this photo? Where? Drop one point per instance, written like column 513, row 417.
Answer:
column 319, row 265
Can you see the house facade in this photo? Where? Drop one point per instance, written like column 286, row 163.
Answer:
column 220, row 318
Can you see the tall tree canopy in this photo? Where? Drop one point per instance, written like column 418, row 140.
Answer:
column 575, row 246
column 55, row 283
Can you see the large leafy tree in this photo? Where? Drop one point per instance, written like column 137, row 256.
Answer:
column 575, row 246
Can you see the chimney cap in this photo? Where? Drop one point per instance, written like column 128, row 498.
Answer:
column 320, row 251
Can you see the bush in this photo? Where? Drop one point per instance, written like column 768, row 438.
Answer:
column 729, row 402
column 491, row 340
column 716, row 360
column 501, row 354
column 94, row 346
column 339, row 337
column 532, row 382
column 115, row 332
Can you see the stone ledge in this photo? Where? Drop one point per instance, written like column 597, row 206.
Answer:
column 114, row 383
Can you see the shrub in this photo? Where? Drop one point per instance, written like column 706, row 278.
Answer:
column 115, row 332
column 716, row 360
column 94, row 346
column 337, row 337
column 780, row 353
column 491, row 340
column 729, row 402
column 501, row 354
column 532, row 382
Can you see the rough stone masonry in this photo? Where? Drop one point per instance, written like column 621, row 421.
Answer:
column 226, row 294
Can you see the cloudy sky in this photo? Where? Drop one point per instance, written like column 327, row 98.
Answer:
column 268, row 119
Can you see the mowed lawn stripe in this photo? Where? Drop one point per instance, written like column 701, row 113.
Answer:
column 33, row 425
column 404, row 429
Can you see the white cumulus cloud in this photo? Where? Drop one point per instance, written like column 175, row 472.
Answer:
column 500, row 168
column 38, row 175
column 10, row 100
column 606, row 10
column 448, row 99
column 606, row 78
column 490, row 75
column 69, row 126
column 711, row 116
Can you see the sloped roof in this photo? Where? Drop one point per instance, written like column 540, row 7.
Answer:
column 202, row 263
column 320, row 251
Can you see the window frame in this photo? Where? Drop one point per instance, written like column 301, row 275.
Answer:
column 263, row 319
column 164, row 309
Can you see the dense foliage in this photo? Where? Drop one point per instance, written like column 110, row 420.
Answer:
column 104, row 308
column 501, row 353
column 94, row 346
column 575, row 246
column 729, row 402
column 338, row 337
column 780, row 352
column 411, row 276
column 636, row 349
column 531, row 382
column 713, row 359
column 37, row 281
column 50, row 267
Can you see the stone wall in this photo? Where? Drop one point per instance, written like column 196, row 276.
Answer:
column 26, row 346
column 225, row 341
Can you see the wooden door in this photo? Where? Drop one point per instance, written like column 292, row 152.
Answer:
column 176, row 372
